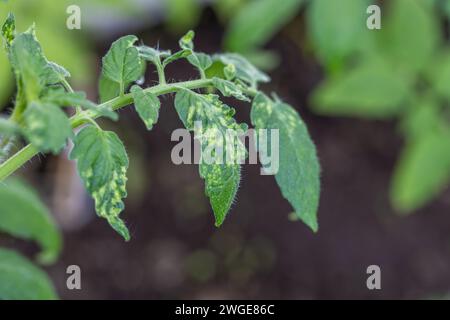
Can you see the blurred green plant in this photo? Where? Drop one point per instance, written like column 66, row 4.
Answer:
column 249, row 24
column 23, row 216
column 66, row 47
column 402, row 72
column 43, row 91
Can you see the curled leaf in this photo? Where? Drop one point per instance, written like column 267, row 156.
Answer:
column 102, row 164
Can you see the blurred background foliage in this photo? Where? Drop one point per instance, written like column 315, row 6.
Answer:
column 329, row 61
column 74, row 48
column 24, row 216
column 401, row 71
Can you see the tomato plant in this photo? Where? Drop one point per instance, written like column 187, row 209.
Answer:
column 44, row 95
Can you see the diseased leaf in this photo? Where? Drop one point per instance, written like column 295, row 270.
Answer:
column 247, row 29
column 245, row 71
column 122, row 63
column 9, row 29
column 222, row 154
column 221, row 185
column 370, row 90
column 21, row 280
column 102, row 163
column 422, row 171
column 46, row 126
column 229, row 89
column 24, row 216
column 147, row 105
column 298, row 174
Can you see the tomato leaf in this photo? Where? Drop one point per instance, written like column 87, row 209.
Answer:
column 122, row 63
column 147, row 106
column 102, row 163
column 24, row 216
column 46, row 126
column 370, row 90
column 22, row 280
column 222, row 177
column 298, row 174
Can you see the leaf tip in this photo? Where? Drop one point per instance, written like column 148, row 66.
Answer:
column 121, row 229
column 309, row 220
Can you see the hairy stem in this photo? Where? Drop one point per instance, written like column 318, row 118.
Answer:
column 25, row 154
column 160, row 70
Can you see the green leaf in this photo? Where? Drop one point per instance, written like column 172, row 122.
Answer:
column 410, row 34
column 176, row 56
column 439, row 75
column 7, row 127
column 9, row 29
column 222, row 177
column 108, row 89
column 67, row 99
column 422, row 172
column 147, row 105
column 22, row 280
column 30, row 65
column 298, row 174
column 423, row 116
column 337, row 29
column 59, row 73
column 182, row 14
column 186, row 41
column 221, row 185
column 24, row 216
column 266, row 60
column 122, row 63
column 200, row 60
column 245, row 71
column 229, row 89
column 102, row 163
column 62, row 98
column 151, row 54
column 46, row 126
column 256, row 23
column 370, row 90
column 6, row 81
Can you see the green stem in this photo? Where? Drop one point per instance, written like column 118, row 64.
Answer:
column 25, row 154
column 160, row 70
column 17, row 160
column 69, row 88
